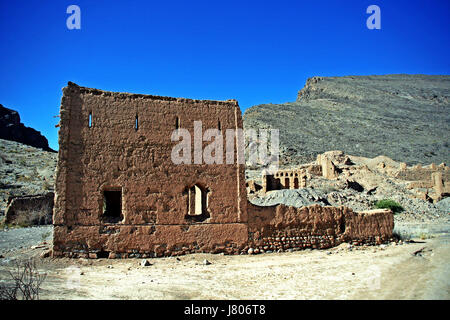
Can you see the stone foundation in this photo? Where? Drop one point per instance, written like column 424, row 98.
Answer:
column 127, row 241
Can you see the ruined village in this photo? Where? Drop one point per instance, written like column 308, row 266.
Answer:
column 228, row 155
column 111, row 211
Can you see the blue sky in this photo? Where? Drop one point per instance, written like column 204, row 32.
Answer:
column 253, row 51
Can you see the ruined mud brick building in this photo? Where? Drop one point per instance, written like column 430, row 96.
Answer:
column 284, row 179
column 298, row 177
column 434, row 179
column 118, row 193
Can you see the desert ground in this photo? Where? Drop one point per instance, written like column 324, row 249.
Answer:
column 410, row 269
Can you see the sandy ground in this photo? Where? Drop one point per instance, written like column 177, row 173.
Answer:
column 381, row 272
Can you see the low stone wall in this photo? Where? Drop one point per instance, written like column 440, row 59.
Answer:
column 281, row 228
column 30, row 210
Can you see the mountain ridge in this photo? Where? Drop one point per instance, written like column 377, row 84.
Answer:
column 12, row 129
column 405, row 117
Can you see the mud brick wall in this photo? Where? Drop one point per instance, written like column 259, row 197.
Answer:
column 423, row 174
column 30, row 210
column 101, row 149
column 281, row 227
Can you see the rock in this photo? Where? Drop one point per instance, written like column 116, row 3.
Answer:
column 206, row 262
column 39, row 246
column 92, row 255
column 354, row 185
column 145, row 263
column 46, row 254
column 250, row 251
column 12, row 129
column 444, row 205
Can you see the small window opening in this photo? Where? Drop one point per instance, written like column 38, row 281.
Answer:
column 90, row 120
column 277, row 183
column 136, row 123
column 112, row 206
column 295, row 183
column 102, row 254
column 177, row 123
column 286, row 183
column 197, row 203
column 219, row 126
column 342, row 226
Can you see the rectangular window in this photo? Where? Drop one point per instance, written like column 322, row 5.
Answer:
column 112, row 206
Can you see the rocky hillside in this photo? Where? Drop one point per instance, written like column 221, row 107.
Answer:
column 405, row 117
column 12, row 129
column 24, row 170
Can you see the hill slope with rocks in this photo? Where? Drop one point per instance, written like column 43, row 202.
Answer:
column 405, row 117
column 12, row 129
column 24, row 171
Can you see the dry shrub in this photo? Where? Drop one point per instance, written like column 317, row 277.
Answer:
column 26, row 282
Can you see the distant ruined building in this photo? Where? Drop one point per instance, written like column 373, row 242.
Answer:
column 118, row 193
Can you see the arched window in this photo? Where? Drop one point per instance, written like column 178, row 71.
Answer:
column 197, row 203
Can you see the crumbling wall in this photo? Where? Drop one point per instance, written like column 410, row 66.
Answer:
column 419, row 173
column 284, row 179
column 30, row 210
column 122, row 142
column 281, row 227
column 441, row 187
column 329, row 170
column 436, row 179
